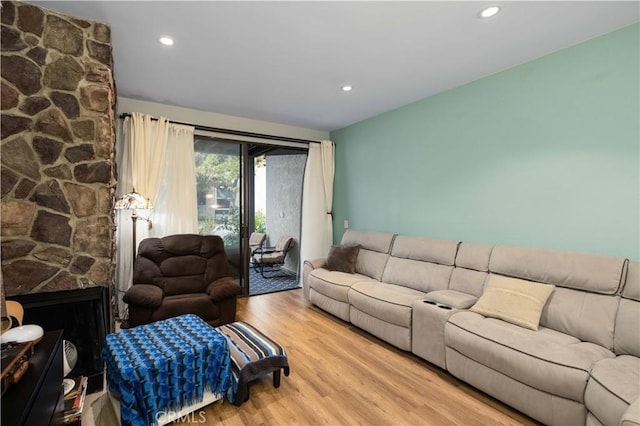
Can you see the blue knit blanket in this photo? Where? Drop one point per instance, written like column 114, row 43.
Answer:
column 165, row 366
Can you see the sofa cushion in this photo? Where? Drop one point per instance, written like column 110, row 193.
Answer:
column 631, row 288
column 371, row 263
column 519, row 302
column 416, row 274
column 425, row 249
column 588, row 316
column 626, row 335
column 472, row 266
column 546, row 360
column 581, row 271
column 613, row 386
column 333, row 284
column 197, row 303
column 373, row 241
column 342, row 258
column 452, row 298
column 631, row 417
column 474, row 256
column 468, row 280
column 584, row 303
column 387, row 302
column 374, row 251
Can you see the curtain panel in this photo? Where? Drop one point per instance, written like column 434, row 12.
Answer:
column 157, row 159
column 317, row 202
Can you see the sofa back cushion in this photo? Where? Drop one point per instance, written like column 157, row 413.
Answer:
column 374, row 251
column 584, row 302
column 472, row 268
column 423, row 264
column 580, row 271
column 627, row 336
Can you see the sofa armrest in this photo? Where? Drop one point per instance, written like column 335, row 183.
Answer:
column 453, row 298
column 223, row 288
column 144, row 295
column 307, row 267
column 631, row 417
column 315, row 263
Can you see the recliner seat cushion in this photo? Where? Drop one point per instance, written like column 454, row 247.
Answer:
column 198, row 303
column 613, row 386
column 387, row 302
column 334, row 284
column 546, row 359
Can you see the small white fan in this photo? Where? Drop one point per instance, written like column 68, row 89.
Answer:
column 69, row 359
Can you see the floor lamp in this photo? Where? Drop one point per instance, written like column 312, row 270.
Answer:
column 131, row 201
column 134, row 201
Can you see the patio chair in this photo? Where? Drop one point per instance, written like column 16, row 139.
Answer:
column 256, row 241
column 269, row 260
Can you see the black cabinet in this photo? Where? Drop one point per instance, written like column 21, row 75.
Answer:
column 37, row 398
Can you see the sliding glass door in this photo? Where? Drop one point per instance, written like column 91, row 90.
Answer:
column 244, row 188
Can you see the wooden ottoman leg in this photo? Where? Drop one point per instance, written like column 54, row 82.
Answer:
column 253, row 354
column 276, row 378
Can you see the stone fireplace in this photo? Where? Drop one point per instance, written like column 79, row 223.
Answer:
column 58, row 175
column 57, row 151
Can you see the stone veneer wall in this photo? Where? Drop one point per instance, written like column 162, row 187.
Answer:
column 57, row 151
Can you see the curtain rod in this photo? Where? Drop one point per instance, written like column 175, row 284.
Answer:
column 232, row 132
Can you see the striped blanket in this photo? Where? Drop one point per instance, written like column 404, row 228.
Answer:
column 165, row 366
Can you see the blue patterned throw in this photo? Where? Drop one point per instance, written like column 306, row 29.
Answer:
column 165, row 366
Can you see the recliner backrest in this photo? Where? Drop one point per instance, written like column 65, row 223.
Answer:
column 424, row 264
column 584, row 302
column 472, row 268
column 180, row 264
column 627, row 331
column 374, row 251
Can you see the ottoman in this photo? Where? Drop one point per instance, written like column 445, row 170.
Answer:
column 252, row 355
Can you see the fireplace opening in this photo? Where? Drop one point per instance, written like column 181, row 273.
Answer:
column 84, row 317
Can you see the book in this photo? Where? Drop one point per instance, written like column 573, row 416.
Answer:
column 74, row 400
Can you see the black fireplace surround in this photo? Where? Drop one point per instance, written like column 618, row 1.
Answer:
column 84, row 317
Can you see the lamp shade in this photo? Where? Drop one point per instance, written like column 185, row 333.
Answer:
column 133, row 201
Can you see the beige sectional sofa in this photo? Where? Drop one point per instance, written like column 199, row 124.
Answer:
column 580, row 366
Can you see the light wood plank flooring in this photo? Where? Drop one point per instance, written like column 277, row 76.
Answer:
column 341, row 375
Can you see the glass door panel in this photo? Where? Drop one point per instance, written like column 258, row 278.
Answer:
column 244, row 188
column 219, row 192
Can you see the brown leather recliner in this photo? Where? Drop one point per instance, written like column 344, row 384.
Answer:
column 182, row 274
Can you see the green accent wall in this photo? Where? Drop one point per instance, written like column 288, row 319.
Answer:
column 544, row 154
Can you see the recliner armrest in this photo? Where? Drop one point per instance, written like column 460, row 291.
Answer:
column 223, row 288
column 452, row 298
column 316, row 263
column 145, row 295
column 631, row 417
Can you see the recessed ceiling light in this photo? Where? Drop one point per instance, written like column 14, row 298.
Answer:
column 346, row 88
column 167, row 41
column 490, row 11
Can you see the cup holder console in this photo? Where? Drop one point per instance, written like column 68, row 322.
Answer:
column 431, row 302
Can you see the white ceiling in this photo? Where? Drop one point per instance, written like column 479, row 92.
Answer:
column 286, row 62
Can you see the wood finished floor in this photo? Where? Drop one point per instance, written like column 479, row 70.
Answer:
column 341, row 375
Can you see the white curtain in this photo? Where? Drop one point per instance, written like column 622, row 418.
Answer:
column 148, row 146
column 317, row 202
column 157, row 159
column 176, row 211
